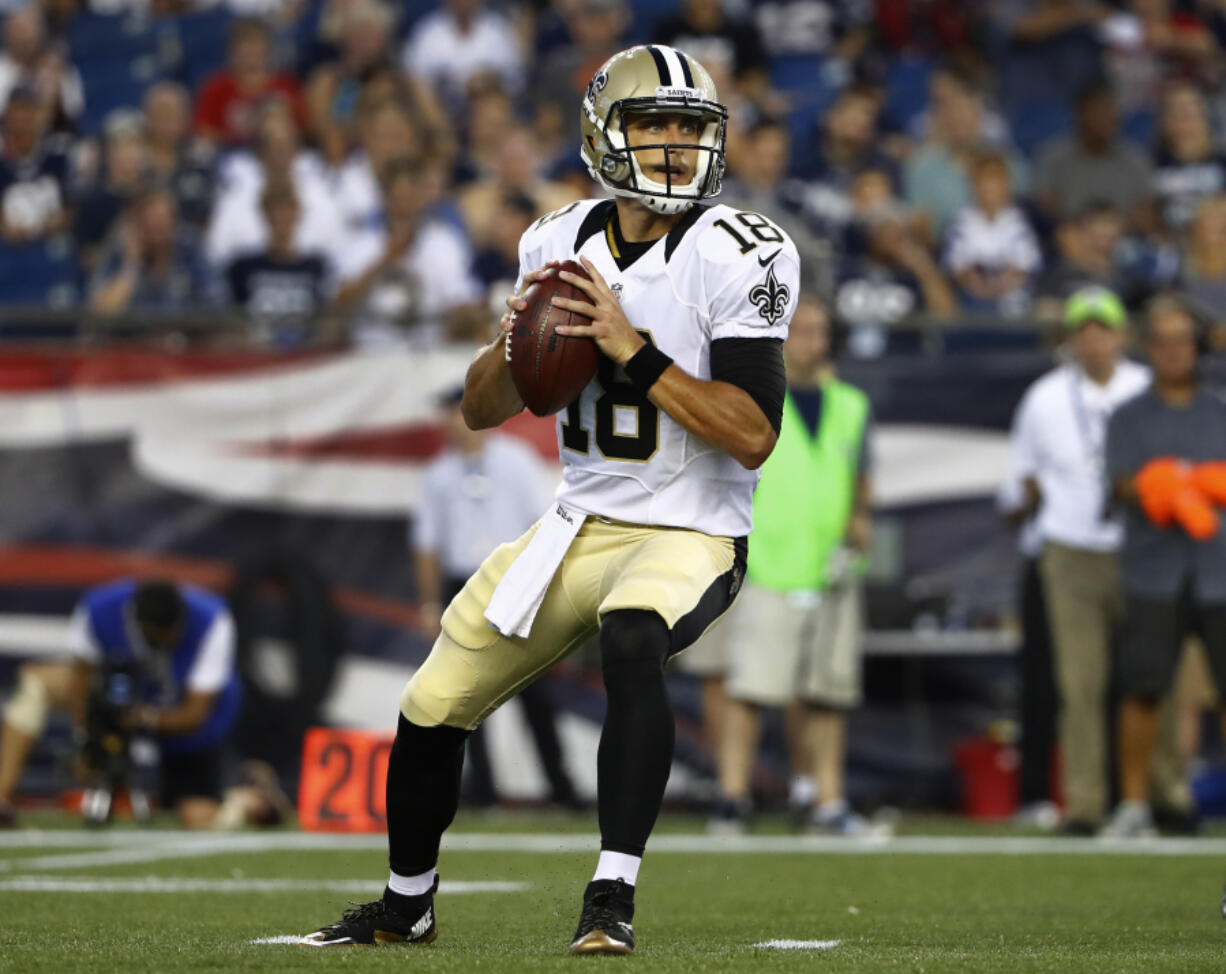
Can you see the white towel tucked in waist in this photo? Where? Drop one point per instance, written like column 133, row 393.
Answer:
column 519, row 595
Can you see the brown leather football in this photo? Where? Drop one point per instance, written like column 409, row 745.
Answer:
column 550, row 370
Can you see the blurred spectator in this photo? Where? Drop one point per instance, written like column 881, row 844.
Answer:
column 406, row 271
column 1051, row 47
column 944, row 29
column 1150, row 41
column 936, row 180
column 496, row 264
column 1087, row 248
column 848, row 146
column 1094, row 164
column 595, row 28
column 125, row 174
column 488, row 120
column 335, row 87
column 153, row 262
column 1094, row 249
column 1203, row 277
column 463, row 40
column 280, row 284
column 236, row 224
column 485, row 489
column 893, row 278
column 387, row 132
column 1188, row 166
column 835, row 29
column 34, row 172
column 515, row 172
column 759, row 182
column 1058, row 443
column 703, row 29
column 179, row 160
column 229, row 100
column 993, row 252
column 28, row 59
column 1166, row 456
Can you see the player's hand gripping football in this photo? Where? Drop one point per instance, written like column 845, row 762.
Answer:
column 516, row 303
column 610, row 328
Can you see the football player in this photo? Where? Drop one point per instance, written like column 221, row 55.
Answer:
column 689, row 304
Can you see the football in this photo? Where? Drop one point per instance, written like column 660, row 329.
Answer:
column 550, row 370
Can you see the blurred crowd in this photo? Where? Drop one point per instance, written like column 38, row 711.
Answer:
column 929, row 157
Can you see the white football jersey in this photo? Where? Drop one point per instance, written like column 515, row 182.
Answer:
column 719, row 273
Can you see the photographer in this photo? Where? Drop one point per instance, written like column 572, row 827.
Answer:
column 177, row 645
column 1166, row 457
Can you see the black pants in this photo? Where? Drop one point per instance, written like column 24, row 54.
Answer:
column 1040, row 702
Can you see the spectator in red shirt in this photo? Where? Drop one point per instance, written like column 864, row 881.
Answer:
column 226, row 109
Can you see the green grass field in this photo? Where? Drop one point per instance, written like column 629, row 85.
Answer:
column 131, row 901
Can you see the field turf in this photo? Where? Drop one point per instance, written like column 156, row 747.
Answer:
column 161, row 901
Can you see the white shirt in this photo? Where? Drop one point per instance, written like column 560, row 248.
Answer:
column 431, row 278
column 1003, row 242
column 729, row 275
column 1059, row 439
column 237, row 225
column 446, row 58
column 470, row 504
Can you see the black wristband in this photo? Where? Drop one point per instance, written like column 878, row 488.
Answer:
column 646, row 366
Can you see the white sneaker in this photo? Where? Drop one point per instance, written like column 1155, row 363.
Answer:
column 1131, row 820
column 837, row 818
column 1043, row 815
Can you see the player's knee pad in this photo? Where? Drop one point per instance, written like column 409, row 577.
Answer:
column 633, row 637
column 441, row 691
column 27, row 708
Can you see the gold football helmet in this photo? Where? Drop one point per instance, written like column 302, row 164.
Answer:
column 651, row 78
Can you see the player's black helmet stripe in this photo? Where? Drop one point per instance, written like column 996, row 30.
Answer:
column 685, row 68
column 666, row 76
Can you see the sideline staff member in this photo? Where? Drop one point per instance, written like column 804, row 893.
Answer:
column 1059, row 435
column 1166, row 456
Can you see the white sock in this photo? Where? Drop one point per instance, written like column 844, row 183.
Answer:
column 412, row 885
column 832, row 808
column 618, row 865
column 803, row 790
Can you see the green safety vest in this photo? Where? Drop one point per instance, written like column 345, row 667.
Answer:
column 807, row 492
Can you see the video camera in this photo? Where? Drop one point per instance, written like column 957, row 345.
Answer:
column 110, row 747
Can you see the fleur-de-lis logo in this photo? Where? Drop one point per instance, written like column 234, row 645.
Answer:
column 597, row 84
column 771, row 297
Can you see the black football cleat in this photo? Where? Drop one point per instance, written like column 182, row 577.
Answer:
column 1224, row 904
column 604, row 925
column 378, row 923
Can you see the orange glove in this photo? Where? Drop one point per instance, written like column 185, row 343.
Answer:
column 1156, row 485
column 1194, row 513
column 1210, row 480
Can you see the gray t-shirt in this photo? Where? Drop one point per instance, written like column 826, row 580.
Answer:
column 1073, row 178
column 1158, row 562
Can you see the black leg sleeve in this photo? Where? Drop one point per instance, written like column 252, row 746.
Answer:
column 423, row 792
column 636, row 744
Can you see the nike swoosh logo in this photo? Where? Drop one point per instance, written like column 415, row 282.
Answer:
column 763, row 261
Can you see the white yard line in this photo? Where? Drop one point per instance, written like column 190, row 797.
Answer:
column 799, row 944
column 175, row 884
column 120, row 847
